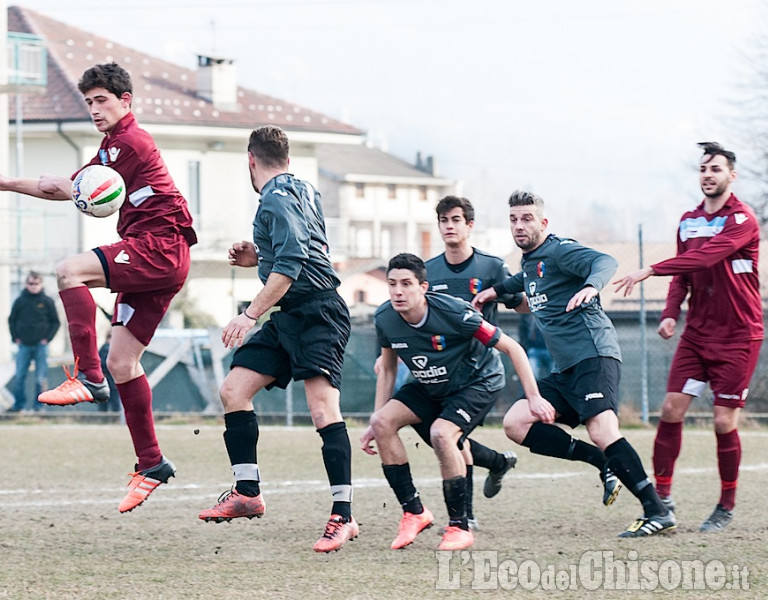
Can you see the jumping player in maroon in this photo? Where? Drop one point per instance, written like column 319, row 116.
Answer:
column 147, row 268
column 717, row 268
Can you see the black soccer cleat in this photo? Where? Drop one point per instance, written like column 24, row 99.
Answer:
column 611, row 486
column 652, row 525
column 492, row 485
column 717, row 521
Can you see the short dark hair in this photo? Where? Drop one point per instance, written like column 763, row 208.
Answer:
column 411, row 262
column 450, row 202
column 110, row 76
column 269, row 146
column 715, row 149
column 523, row 198
column 34, row 276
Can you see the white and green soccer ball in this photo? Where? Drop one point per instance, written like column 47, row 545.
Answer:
column 98, row 191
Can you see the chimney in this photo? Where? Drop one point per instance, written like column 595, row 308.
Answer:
column 428, row 165
column 217, row 81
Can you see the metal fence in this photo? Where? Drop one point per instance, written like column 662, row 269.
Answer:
column 190, row 386
column 180, row 389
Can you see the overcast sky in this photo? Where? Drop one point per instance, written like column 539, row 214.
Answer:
column 596, row 105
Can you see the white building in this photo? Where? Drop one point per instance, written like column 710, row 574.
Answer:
column 377, row 205
column 5, row 220
column 201, row 121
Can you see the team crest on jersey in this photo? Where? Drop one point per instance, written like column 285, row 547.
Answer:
column 108, row 156
column 475, row 286
column 540, row 269
column 438, row 342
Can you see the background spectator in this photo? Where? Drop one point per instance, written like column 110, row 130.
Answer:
column 33, row 322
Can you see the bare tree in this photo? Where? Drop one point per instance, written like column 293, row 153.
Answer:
column 751, row 123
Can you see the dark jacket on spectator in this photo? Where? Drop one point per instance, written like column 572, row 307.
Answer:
column 33, row 318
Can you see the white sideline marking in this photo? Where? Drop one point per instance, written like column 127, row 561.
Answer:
column 209, row 492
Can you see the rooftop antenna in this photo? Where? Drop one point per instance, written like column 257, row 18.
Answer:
column 213, row 37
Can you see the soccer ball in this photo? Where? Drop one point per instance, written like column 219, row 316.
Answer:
column 98, row 191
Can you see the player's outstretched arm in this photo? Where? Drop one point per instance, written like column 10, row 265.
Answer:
column 539, row 406
column 243, row 254
column 628, row 282
column 47, row 187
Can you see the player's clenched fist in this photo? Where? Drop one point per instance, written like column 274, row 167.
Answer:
column 243, row 254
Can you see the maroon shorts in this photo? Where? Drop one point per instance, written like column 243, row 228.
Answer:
column 146, row 272
column 727, row 367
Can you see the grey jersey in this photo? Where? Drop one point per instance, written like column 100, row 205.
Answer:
column 449, row 351
column 289, row 233
column 551, row 274
column 471, row 277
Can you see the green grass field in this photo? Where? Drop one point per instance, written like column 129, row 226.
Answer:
column 62, row 536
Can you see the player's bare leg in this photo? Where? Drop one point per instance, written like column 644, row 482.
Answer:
column 385, row 424
column 445, row 438
column 86, row 383
column 523, row 427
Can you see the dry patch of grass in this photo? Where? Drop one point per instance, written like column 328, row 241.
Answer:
column 62, row 536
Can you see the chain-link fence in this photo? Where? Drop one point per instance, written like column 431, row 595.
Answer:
column 646, row 358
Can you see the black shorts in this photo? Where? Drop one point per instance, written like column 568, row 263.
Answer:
column 583, row 391
column 302, row 342
column 465, row 408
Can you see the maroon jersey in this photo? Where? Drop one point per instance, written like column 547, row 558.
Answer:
column 716, row 264
column 153, row 204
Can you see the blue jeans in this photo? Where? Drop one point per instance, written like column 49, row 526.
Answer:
column 25, row 355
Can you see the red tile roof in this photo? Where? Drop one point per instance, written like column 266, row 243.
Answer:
column 162, row 91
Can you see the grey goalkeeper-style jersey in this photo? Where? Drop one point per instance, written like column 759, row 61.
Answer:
column 471, row 277
column 551, row 274
column 289, row 233
column 450, row 350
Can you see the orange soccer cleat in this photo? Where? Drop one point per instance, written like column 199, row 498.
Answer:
column 75, row 389
column 143, row 483
column 456, row 538
column 337, row 532
column 412, row 525
column 233, row 505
